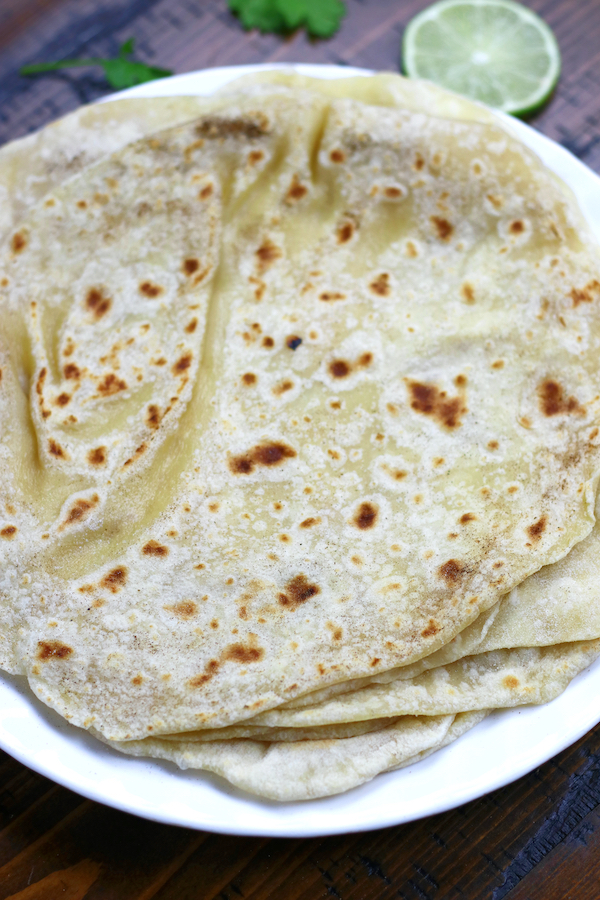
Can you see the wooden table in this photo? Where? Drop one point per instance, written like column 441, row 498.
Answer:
column 537, row 838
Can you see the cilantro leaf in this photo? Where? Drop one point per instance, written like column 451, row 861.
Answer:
column 321, row 18
column 120, row 72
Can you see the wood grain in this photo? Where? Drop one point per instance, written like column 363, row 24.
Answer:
column 537, row 838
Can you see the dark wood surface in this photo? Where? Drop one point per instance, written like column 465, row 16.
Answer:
column 537, row 838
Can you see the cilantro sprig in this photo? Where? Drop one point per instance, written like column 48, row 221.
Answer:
column 321, row 18
column 120, row 72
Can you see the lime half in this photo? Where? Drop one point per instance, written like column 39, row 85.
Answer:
column 495, row 51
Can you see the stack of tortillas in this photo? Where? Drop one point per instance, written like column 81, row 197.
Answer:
column 300, row 399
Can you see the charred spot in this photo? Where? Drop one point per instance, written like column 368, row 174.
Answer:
column 429, row 400
column 493, row 445
column 339, row 368
column 211, row 669
column 80, row 509
column 365, row 359
column 8, row 532
column 206, row 192
column 283, row 387
column 419, row 162
column 431, row 629
column 56, row 450
column 267, row 254
column 97, row 456
column 467, row 517
column 536, row 530
column 498, row 364
column 115, row 579
column 241, row 653
column 443, row 228
column 249, row 378
column 272, row 453
column 153, row 416
column 392, row 193
column 468, row 292
column 191, row 265
column 460, row 381
column 516, row 227
column 191, row 326
column 296, row 191
column 381, row 285
column 96, row 303
column 293, row 341
column 137, row 680
column 510, row 681
column 553, row 401
column 255, row 156
column 337, row 156
column 329, row 296
column 53, row 650
column 70, row 371
column 345, row 232
column 187, row 609
column 241, row 465
column 150, row 290
column 111, row 384
column 153, row 548
column 451, row 570
column 297, row 591
column 365, row 516
column 268, row 342
column 585, row 294
column 182, row 364
column 62, row 399
column 308, row 523
column 218, row 127
column 18, row 242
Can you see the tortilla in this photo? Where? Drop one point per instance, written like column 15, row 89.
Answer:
column 438, row 477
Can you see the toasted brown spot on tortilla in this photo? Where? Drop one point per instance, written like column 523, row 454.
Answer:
column 510, row 681
column 211, row 669
column 337, row 156
column 451, row 570
column 468, row 292
column 191, row 326
column 293, row 341
column 467, row 517
column 187, row 609
column 283, row 387
column 381, row 285
column 70, row 371
column 191, row 265
column 56, row 450
column 220, row 127
column 137, row 680
column 493, row 445
column 8, row 532
column 339, row 368
column 82, row 204
column 345, row 232
column 267, row 254
column 115, row 579
column 308, row 523
column 62, row 399
column 150, row 290
column 111, row 384
column 365, row 516
column 296, row 191
column 80, row 509
column 516, row 227
column 392, row 193
column 153, row 416
column 553, row 401
column 328, row 296
column 53, row 650
column 249, row 378
column 365, row 359
column 443, row 228
column 206, row 192
column 271, row 453
column 268, row 342
column 585, row 294
column 242, row 654
column 429, row 400
column 431, row 629
column 536, row 530
column 498, row 364
column 153, row 548
column 297, row 591
column 182, row 363
column 255, row 156
column 97, row 303
column 18, row 242
column 460, row 380
column 411, row 250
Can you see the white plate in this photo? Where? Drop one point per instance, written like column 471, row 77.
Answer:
column 502, row 748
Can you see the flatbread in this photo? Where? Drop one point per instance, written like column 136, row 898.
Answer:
column 411, row 527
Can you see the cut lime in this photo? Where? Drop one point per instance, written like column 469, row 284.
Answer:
column 494, row 51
